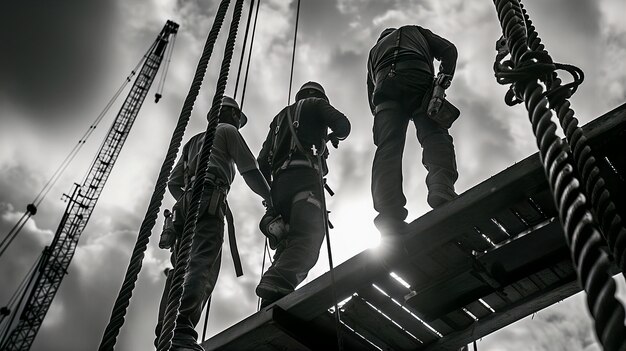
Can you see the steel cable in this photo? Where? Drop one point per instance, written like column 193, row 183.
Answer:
column 123, row 299
column 586, row 244
column 198, row 190
column 595, row 186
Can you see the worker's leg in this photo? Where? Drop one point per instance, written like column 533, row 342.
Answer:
column 204, row 266
column 390, row 126
column 296, row 194
column 439, row 159
column 300, row 248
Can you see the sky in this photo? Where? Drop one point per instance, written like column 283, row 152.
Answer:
column 62, row 61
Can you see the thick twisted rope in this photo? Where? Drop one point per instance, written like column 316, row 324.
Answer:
column 198, row 190
column 126, row 291
column 586, row 244
column 595, row 186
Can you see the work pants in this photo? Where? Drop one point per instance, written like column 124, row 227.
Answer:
column 298, row 252
column 399, row 100
column 200, row 278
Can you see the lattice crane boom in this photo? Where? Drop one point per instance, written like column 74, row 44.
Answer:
column 57, row 256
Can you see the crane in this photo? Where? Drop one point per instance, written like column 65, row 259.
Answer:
column 56, row 257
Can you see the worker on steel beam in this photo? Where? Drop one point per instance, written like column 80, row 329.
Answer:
column 288, row 160
column 229, row 148
column 399, row 83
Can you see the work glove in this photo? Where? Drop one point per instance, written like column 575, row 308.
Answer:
column 334, row 140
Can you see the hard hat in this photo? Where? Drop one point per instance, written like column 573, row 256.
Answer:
column 228, row 101
column 385, row 33
column 311, row 85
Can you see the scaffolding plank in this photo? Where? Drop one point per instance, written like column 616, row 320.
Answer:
column 508, row 315
column 361, row 316
column 401, row 316
column 511, row 223
column 449, row 224
column 488, row 228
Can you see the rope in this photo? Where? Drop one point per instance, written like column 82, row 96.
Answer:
column 595, row 186
column 8, row 239
column 243, row 49
column 198, row 190
column 265, row 252
column 586, row 243
column 206, row 319
column 330, row 252
column 293, row 56
column 6, row 332
column 123, row 299
column 245, row 80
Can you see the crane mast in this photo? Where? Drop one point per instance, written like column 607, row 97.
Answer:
column 58, row 255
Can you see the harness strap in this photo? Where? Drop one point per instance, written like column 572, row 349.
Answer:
column 395, row 53
column 295, row 141
column 232, row 241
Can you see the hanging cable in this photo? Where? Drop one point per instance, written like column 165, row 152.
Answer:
column 6, row 332
column 243, row 49
column 122, row 301
column 265, row 252
column 588, row 249
column 20, row 291
column 245, row 80
column 206, row 318
column 199, row 189
column 331, row 266
column 168, row 58
column 293, row 56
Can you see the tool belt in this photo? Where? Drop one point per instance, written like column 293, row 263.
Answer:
column 214, row 204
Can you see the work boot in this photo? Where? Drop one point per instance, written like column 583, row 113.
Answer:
column 270, row 293
column 439, row 195
column 389, row 226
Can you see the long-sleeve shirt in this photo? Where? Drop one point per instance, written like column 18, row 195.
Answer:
column 229, row 149
column 415, row 44
column 317, row 115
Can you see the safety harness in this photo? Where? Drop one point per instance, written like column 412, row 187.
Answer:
column 217, row 206
column 295, row 145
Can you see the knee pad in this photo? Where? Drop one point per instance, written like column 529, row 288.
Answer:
column 307, row 196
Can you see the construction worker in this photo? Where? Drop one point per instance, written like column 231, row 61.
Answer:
column 399, row 80
column 288, row 161
column 229, row 148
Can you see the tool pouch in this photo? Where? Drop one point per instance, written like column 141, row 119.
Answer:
column 274, row 228
column 447, row 114
column 169, row 234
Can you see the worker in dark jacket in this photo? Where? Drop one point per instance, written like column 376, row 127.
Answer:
column 295, row 179
column 229, row 149
column 400, row 77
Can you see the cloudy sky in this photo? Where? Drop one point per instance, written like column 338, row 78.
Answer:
column 61, row 62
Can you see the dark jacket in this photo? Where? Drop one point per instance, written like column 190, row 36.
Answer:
column 416, row 44
column 317, row 115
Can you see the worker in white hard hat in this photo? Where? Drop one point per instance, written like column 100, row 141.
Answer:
column 229, row 150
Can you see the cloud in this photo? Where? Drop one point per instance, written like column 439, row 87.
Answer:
column 68, row 47
column 63, row 61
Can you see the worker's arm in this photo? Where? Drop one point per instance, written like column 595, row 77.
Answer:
column 263, row 159
column 370, row 92
column 443, row 50
column 257, row 183
column 176, row 183
column 246, row 164
column 334, row 119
